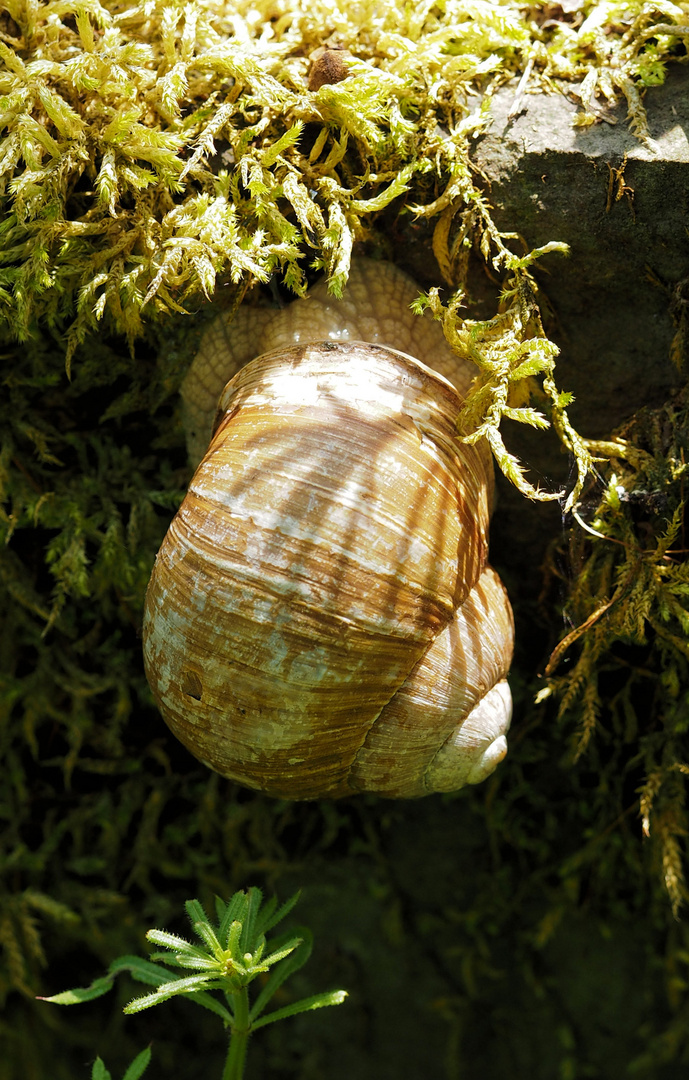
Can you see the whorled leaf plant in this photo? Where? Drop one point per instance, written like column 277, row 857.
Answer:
column 232, row 954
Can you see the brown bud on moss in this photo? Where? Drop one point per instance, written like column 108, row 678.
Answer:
column 327, row 66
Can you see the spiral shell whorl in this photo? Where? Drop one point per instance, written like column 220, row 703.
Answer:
column 331, row 546
column 375, row 308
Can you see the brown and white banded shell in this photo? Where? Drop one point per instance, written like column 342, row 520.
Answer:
column 321, row 619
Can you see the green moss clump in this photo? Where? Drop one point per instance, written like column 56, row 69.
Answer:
column 628, row 603
column 151, row 151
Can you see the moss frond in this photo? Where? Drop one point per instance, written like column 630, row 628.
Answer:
column 629, row 604
column 151, row 152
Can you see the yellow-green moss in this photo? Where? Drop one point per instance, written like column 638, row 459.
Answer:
column 151, row 150
column 622, row 672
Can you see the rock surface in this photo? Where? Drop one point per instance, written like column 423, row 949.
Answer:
column 550, row 180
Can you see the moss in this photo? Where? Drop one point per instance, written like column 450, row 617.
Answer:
column 628, row 604
column 152, row 150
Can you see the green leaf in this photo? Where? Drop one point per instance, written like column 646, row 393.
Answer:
column 200, row 961
column 66, row 120
column 138, row 1065
column 279, row 954
column 284, row 969
column 213, row 1005
column 247, row 942
column 141, row 970
column 202, row 926
column 220, row 909
column 81, row 994
column 106, row 180
column 171, row 941
column 533, row 366
column 386, row 196
column 99, row 1071
column 515, row 263
column 270, row 918
column 12, row 60
column 318, row 1001
column 170, row 989
column 526, row 416
column 233, row 937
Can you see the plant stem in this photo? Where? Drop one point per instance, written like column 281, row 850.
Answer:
column 239, row 1036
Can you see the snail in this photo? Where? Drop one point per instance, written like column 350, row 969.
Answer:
column 321, row 619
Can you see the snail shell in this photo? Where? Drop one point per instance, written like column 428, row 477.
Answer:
column 375, row 308
column 321, row 619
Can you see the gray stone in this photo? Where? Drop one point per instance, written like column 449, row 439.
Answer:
column 550, row 180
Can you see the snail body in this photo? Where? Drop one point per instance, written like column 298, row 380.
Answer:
column 321, row 619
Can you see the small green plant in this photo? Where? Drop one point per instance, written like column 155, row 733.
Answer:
column 134, row 1072
column 232, row 955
